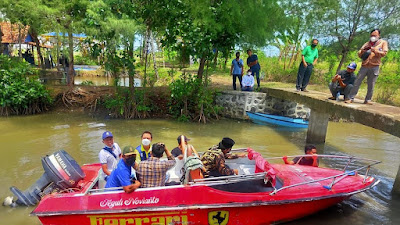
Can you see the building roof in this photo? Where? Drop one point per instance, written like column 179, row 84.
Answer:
column 11, row 33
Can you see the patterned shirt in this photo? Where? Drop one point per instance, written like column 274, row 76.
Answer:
column 214, row 159
column 152, row 172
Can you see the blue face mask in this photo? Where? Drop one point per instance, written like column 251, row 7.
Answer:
column 313, row 45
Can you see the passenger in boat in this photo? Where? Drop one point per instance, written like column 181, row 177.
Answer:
column 178, row 151
column 152, row 172
column 311, row 160
column 121, row 176
column 143, row 150
column 110, row 154
column 214, row 160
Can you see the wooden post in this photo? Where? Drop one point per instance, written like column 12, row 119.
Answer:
column 317, row 127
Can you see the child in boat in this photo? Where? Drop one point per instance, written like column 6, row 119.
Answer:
column 311, row 160
column 109, row 154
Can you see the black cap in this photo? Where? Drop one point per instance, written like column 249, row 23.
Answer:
column 226, row 143
column 179, row 139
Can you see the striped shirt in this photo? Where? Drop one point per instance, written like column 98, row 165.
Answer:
column 152, row 172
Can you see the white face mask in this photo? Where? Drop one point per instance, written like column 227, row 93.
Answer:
column 373, row 39
column 146, row 142
column 249, row 73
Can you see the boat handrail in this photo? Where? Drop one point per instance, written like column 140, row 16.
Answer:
column 227, row 179
column 326, row 156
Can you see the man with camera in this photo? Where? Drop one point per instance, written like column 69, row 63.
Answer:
column 371, row 53
column 152, row 172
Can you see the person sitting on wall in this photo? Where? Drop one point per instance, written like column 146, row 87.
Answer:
column 121, row 176
column 248, row 81
column 343, row 82
column 311, row 160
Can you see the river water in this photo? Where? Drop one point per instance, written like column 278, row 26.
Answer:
column 24, row 140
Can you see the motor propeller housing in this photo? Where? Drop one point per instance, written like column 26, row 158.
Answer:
column 61, row 171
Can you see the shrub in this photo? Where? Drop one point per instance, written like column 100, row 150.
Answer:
column 191, row 100
column 127, row 105
column 19, row 92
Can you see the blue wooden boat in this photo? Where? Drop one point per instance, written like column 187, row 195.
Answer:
column 263, row 119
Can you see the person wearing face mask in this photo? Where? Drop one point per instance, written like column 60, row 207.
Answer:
column 309, row 58
column 152, row 172
column 121, row 176
column 343, row 82
column 143, row 150
column 237, row 70
column 370, row 53
column 248, row 82
column 252, row 62
column 110, row 154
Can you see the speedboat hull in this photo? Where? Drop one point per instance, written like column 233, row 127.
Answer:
column 254, row 213
column 249, row 202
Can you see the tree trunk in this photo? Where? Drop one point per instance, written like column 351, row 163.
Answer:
column 131, row 68
column 292, row 57
column 145, row 49
column 201, row 66
column 216, row 58
column 344, row 55
column 71, row 71
column 35, row 38
column 153, row 52
column 58, row 52
column 19, row 41
column 1, row 45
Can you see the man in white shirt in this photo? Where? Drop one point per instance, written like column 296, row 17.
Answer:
column 110, row 154
column 248, row 82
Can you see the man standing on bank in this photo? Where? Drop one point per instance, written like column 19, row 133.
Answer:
column 371, row 54
column 252, row 62
column 309, row 58
column 237, row 70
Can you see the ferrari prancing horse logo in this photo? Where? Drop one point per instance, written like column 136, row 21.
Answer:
column 218, row 217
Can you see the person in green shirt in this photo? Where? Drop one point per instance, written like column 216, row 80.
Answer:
column 308, row 60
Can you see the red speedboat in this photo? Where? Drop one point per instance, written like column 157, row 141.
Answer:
column 262, row 193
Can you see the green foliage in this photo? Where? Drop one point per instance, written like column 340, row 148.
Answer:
column 190, row 100
column 87, row 83
column 121, row 103
column 84, row 60
column 20, row 94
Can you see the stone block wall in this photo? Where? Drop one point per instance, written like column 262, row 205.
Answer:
column 236, row 103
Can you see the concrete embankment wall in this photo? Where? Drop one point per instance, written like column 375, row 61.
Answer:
column 236, row 103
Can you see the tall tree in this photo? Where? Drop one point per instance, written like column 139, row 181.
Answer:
column 203, row 26
column 69, row 15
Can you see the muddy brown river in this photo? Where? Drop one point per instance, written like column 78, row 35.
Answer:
column 24, row 140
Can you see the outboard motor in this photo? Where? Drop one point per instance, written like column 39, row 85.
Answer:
column 61, row 171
